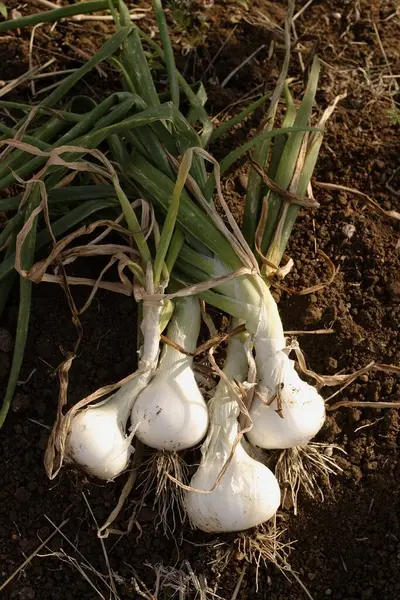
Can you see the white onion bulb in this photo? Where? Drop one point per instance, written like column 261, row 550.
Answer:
column 97, row 441
column 248, row 493
column 301, row 409
column 171, row 414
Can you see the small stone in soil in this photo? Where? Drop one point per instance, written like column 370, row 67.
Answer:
column 348, row 230
column 355, row 414
column 313, row 315
column 372, row 465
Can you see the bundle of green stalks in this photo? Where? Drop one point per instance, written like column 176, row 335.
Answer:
column 138, row 163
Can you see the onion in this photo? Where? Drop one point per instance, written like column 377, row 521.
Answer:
column 97, row 439
column 248, row 493
column 286, row 411
column 171, row 414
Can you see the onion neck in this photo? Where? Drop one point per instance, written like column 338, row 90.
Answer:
column 262, row 321
column 268, row 324
column 123, row 400
column 183, row 330
column 259, row 309
column 224, row 408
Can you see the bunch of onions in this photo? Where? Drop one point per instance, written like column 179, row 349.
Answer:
column 169, row 412
column 286, row 411
column 163, row 406
column 248, row 493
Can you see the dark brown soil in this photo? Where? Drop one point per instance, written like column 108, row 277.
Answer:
column 348, row 547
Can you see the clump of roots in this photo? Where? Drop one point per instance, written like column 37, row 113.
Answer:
column 168, row 496
column 259, row 547
column 302, row 467
column 263, row 546
column 174, row 582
